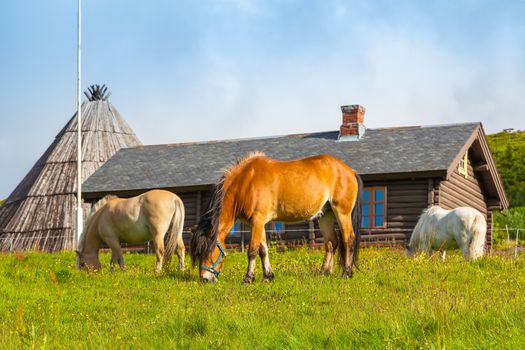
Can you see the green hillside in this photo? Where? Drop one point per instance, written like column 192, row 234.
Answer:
column 508, row 149
column 2, row 201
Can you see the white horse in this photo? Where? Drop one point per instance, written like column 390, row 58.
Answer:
column 442, row 230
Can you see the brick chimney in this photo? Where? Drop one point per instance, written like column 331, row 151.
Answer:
column 353, row 127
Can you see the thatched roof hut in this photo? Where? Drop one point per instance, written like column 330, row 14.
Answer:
column 40, row 212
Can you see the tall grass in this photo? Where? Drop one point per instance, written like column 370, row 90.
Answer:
column 394, row 302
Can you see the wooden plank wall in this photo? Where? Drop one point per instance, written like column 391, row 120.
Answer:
column 458, row 191
column 190, row 205
column 406, row 199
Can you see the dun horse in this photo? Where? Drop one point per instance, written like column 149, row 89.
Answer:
column 258, row 189
column 136, row 220
column 440, row 229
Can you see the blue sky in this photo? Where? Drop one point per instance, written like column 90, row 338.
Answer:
column 214, row 69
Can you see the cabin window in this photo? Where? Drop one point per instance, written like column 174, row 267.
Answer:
column 274, row 230
column 235, row 230
column 463, row 166
column 278, row 227
column 373, row 207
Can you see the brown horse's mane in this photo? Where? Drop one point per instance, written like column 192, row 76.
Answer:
column 204, row 238
column 94, row 209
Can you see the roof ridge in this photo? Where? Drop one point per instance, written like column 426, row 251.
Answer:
column 255, row 138
column 297, row 135
column 427, row 126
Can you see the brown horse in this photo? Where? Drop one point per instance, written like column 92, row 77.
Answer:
column 134, row 220
column 258, row 189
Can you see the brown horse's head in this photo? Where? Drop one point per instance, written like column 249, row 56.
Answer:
column 207, row 250
column 210, row 267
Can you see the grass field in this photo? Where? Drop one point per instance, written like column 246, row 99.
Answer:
column 392, row 303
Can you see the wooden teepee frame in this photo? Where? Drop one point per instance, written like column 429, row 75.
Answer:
column 40, row 212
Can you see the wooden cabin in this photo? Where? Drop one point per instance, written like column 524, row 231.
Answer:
column 404, row 169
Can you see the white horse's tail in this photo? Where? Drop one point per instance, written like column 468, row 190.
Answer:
column 478, row 228
column 175, row 232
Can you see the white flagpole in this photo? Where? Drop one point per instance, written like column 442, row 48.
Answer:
column 80, row 218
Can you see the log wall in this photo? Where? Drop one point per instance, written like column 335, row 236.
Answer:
column 406, row 200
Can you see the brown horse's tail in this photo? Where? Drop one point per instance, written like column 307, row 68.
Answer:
column 356, row 220
column 174, row 232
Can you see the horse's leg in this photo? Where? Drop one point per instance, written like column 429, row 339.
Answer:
column 180, row 252
column 116, row 252
column 326, row 226
column 257, row 228
column 443, row 255
column 463, row 242
column 113, row 261
column 265, row 260
column 347, row 245
column 158, row 243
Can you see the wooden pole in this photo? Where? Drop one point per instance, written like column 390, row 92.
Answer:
column 507, row 229
column 311, row 234
column 80, row 215
column 517, row 242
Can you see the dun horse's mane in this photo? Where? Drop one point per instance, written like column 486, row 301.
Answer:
column 94, row 209
column 204, row 239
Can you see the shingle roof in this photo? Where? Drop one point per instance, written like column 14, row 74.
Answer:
column 380, row 151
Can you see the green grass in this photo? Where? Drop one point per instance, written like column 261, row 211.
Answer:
column 394, row 302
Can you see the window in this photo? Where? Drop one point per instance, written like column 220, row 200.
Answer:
column 274, row 230
column 463, row 166
column 235, row 230
column 373, row 207
column 278, row 227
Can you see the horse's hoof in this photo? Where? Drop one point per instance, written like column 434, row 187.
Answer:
column 269, row 277
column 249, row 279
column 326, row 272
column 348, row 274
